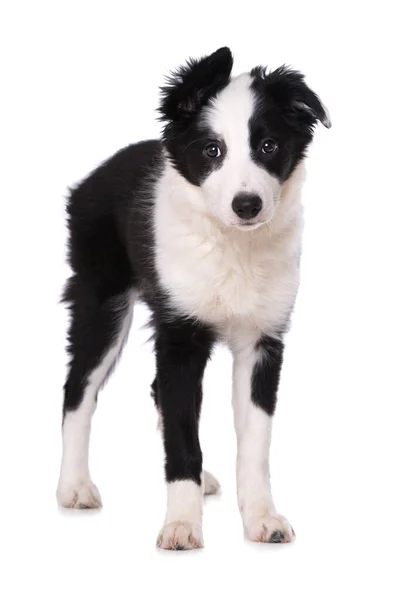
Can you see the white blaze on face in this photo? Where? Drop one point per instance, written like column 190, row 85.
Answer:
column 228, row 117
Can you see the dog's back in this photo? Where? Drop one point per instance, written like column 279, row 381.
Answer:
column 110, row 207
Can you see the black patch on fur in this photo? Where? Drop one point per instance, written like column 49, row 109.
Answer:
column 286, row 111
column 186, row 152
column 183, row 348
column 191, row 86
column 185, row 134
column 266, row 374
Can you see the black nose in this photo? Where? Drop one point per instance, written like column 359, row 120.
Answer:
column 246, row 206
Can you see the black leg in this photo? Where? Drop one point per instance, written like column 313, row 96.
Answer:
column 96, row 323
column 182, row 351
column 266, row 373
column 199, row 396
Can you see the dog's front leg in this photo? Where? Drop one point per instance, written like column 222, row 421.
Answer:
column 257, row 364
column 182, row 351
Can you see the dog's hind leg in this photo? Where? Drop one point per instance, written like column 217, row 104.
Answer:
column 210, row 484
column 99, row 327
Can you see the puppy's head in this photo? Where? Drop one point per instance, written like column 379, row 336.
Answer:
column 238, row 139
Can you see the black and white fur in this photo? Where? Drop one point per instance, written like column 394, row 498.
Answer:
column 205, row 227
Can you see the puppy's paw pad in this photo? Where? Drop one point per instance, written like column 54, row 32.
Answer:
column 180, row 535
column 81, row 495
column 271, row 529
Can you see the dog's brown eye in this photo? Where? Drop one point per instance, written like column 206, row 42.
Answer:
column 212, row 150
column 269, row 146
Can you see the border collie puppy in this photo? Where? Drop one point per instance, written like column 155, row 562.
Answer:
column 205, row 227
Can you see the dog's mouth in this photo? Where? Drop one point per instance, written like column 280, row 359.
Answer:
column 249, row 225
column 263, row 218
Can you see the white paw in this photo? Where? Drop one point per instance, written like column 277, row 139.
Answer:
column 211, row 484
column 82, row 494
column 269, row 528
column 180, row 535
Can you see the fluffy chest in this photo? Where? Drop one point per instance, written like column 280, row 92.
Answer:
column 227, row 278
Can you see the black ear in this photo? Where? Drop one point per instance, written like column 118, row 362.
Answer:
column 291, row 93
column 190, row 87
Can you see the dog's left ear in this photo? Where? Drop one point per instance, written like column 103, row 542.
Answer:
column 190, row 87
column 300, row 104
column 313, row 105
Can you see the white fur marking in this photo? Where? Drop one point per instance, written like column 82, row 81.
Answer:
column 228, row 117
column 182, row 529
column 223, row 275
column 253, row 430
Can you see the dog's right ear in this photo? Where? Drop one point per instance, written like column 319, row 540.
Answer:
column 190, row 87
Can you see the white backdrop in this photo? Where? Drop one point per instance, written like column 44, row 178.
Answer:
column 80, row 80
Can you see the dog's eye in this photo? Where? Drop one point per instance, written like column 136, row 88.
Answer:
column 269, row 146
column 212, row 150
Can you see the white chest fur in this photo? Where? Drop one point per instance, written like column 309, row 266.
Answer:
column 224, row 277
